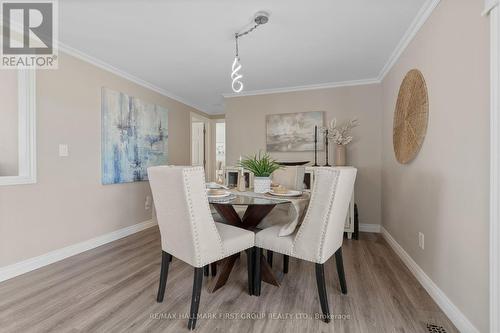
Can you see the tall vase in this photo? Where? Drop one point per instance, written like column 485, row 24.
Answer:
column 340, row 152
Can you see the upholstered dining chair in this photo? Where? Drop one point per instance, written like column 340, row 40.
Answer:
column 291, row 177
column 321, row 233
column 188, row 231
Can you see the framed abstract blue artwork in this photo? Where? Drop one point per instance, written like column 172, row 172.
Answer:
column 134, row 137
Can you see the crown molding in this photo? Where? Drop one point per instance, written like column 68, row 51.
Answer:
column 112, row 69
column 423, row 14
column 488, row 6
column 303, row 88
column 216, row 116
column 121, row 73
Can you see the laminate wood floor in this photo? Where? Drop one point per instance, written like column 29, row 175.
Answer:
column 113, row 289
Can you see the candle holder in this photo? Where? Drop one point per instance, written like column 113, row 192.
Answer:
column 315, row 146
column 326, row 148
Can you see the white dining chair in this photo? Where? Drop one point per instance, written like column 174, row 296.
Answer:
column 321, row 233
column 188, row 231
column 291, row 177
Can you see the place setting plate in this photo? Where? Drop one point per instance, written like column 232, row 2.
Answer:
column 289, row 193
column 217, row 193
column 215, row 186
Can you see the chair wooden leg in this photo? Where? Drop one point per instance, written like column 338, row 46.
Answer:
column 250, row 268
column 340, row 270
column 270, row 258
column 165, row 261
column 205, row 270
column 195, row 298
column 257, row 272
column 323, row 297
column 286, row 259
column 213, row 267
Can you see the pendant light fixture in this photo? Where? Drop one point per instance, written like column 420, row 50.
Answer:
column 237, row 85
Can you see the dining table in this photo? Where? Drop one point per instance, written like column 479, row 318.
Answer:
column 256, row 207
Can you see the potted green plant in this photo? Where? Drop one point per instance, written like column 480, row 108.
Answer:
column 262, row 166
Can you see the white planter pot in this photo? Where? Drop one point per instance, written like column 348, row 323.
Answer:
column 261, row 184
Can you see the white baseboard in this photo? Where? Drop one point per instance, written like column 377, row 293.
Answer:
column 454, row 314
column 369, row 227
column 8, row 272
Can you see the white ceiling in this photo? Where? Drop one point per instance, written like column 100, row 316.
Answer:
column 186, row 47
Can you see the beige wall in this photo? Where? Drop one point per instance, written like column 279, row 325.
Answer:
column 444, row 191
column 246, row 132
column 8, row 123
column 68, row 204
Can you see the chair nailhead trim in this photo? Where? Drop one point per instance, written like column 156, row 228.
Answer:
column 209, row 213
column 324, row 221
column 187, row 186
column 187, row 174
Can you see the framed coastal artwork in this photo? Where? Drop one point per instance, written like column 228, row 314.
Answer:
column 134, row 137
column 293, row 131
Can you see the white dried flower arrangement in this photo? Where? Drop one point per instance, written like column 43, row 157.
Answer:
column 340, row 135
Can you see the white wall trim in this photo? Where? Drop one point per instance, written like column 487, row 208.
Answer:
column 494, row 170
column 454, row 314
column 8, row 272
column 419, row 20
column 303, row 88
column 110, row 68
column 195, row 117
column 26, row 97
column 369, row 227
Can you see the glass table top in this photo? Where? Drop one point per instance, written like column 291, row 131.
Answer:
column 245, row 200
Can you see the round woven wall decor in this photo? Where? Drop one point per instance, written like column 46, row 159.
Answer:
column 410, row 117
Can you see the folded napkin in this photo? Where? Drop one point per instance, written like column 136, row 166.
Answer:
column 289, row 215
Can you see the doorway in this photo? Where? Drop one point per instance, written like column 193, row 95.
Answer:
column 220, row 149
column 198, row 152
column 202, row 153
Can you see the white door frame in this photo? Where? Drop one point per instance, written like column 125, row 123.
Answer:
column 494, row 170
column 195, row 117
column 215, row 121
column 198, row 132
